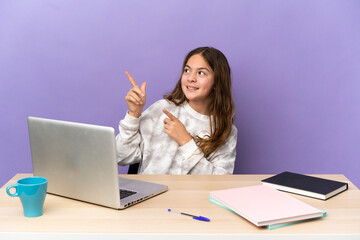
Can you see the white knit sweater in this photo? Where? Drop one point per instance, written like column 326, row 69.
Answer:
column 144, row 140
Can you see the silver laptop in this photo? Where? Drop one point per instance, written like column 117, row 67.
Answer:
column 79, row 161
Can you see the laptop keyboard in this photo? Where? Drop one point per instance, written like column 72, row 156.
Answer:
column 125, row 193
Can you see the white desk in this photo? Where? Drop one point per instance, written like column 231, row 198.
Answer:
column 69, row 219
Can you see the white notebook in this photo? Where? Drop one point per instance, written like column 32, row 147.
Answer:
column 265, row 206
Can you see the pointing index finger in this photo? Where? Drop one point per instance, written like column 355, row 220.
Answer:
column 172, row 117
column 131, row 79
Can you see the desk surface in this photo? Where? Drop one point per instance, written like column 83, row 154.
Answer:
column 186, row 193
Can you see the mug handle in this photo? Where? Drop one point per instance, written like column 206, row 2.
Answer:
column 16, row 194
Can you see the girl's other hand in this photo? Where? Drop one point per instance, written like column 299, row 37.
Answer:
column 175, row 129
column 136, row 97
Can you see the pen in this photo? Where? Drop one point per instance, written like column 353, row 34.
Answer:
column 201, row 218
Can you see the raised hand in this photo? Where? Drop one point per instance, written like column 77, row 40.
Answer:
column 175, row 129
column 136, row 97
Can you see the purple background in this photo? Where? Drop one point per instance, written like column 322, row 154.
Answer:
column 295, row 66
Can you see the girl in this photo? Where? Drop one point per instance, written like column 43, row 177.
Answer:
column 191, row 131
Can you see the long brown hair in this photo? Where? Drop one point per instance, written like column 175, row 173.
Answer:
column 221, row 105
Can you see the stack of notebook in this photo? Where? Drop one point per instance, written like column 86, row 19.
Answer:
column 265, row 206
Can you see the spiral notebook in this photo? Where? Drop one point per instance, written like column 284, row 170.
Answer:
column 265, row 206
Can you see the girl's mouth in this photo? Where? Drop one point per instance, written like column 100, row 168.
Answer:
column 191, row 88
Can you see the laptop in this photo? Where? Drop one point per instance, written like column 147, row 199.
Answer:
column 79, row 161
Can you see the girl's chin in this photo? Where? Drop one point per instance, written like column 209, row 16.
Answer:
column 190, row 96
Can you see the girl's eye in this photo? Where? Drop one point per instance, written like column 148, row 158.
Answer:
column 201, row 73
column 186, row 70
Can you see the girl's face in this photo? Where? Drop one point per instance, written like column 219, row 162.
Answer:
column 197, row 81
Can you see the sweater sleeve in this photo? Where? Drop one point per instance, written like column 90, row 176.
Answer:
column 221, row 161
column 129, row 141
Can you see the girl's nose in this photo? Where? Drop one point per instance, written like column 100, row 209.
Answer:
column 192, row 77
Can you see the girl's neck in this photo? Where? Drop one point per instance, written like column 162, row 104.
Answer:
column 200, row 107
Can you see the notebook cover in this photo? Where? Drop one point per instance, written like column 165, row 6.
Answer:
column 272, row 226
column 263, row 205
column 306, row 183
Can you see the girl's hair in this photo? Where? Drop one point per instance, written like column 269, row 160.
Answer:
column 221, row 106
